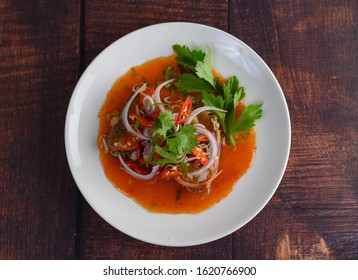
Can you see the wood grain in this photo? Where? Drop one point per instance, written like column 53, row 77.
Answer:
column 39, row 66
column 311, row 46
column 123, row 17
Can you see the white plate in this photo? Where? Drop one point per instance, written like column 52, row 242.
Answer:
column 254, row 189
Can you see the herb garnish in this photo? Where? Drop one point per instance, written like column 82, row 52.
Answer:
column 171, row 144
column 215, row 93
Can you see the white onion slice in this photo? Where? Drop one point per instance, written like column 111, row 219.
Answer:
column 125, row 116
column 157, row 98
column 199, row 110
column 214, row 151
column 137, row 175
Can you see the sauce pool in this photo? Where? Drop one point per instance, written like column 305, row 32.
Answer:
column 166, row 195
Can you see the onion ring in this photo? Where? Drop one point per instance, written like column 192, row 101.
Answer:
column 135, row 174
column 199, row 110
column 125, row 116
column 214, row 150
column 157, row 98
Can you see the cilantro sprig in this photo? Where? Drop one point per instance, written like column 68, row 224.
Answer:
column 171, row 144
column 225, row 95
column 188, row 58
column 163, row 124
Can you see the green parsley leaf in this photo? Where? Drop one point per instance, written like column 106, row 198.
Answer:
column 215, row 101
column 183, row 141
column 218, row 85
column 189, row 83
column 248, row 117
column 231, row 96
column 188, row 58
column 176, row 144
column 172, row 158
column 204, row 69
column 239, row 94
column 229, row 89
column 225, row 96
column 163, row 123
column 200, row 64
column 184, row 167
column 136, row 125
column 160, row 161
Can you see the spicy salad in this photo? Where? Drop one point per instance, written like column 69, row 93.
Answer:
column 175, row 129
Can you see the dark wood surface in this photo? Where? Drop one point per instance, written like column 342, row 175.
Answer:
column 311, row 46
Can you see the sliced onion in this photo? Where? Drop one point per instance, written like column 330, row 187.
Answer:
column 135, row 174
column 199, row 110
column 148, row 103
column 172, row 99
column 214, row 151
column 125, row 116
column 157, row 98
column 141, row 87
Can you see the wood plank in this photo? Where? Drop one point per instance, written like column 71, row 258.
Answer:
column 108, row 21
column 105, row 23
column 311, row 46
column 39, row 50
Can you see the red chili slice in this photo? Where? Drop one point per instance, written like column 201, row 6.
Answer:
column 131, row 142
column 199, row 153
column 202, row 138
column 150, row 91
column 142, row 121
column 184, row 111
column 157, row 156
column 169, row 173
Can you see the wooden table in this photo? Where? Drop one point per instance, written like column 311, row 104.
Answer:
column 311, row 46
